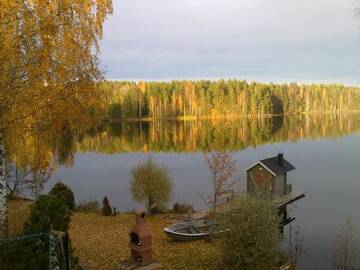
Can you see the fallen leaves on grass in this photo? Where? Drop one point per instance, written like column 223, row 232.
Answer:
column 19, row 211
column 101, row 242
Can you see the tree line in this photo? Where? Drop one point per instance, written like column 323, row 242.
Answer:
column 230, row 98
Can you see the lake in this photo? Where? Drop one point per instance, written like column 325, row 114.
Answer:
column 325, row 149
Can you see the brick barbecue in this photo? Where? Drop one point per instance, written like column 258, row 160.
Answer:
column 140, row 241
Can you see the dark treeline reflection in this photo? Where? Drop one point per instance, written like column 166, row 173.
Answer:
column 206, row 135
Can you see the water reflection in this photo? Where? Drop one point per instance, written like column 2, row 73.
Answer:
column 209, row 135
column 35, row 155
column 327, row 167
column 91, row 172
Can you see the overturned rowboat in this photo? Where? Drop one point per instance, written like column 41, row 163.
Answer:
column 192, row 230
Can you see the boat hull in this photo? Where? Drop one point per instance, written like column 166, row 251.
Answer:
column 191, row 230
column 186, row 238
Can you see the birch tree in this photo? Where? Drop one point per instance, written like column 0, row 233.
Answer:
column 48, row 66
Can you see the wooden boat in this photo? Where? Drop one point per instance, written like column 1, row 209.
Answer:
column 192, row 230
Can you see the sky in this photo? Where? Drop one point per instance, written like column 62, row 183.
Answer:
column 270, row 41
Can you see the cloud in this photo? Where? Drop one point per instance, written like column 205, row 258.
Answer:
column 162, row 38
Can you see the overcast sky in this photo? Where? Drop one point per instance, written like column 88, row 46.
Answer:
column 277, row 40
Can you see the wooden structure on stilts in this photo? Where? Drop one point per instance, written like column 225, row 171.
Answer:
column 268, row 178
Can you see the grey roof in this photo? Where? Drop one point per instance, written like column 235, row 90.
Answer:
column 274, row 167
column 272, row 164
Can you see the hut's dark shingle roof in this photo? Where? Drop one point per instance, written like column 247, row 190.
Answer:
column 273, row 165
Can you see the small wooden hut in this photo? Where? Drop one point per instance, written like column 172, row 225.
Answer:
column 268, row 177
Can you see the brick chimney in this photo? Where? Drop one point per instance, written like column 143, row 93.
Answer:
column 280, row 159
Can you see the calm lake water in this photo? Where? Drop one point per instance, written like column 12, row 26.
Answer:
column 324, row 149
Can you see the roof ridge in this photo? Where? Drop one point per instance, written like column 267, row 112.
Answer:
column 272, row 165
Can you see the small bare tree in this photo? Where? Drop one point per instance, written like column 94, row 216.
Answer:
column 345, row 248
column 296, row 246
column 13, row 183
column 222, row 168
column 40, row 176
column 29, row 178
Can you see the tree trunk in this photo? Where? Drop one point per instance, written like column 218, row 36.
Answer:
column 140, row 101
column 3, row 206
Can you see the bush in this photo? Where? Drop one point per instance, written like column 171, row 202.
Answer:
column 252, row 237
column 159, row 210
column 151, row 184
column 106, row 209
column 65, row 194
column 47, row 210
column 182, row 209
column 91, row 206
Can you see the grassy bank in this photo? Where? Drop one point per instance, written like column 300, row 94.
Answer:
column 101, row 242
column 19, row 211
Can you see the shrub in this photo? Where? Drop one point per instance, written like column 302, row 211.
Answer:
column 151, row 184
column 252, row 237
column 65, row 194
column 47, row 210
column 182, row 209
column 159, row 210
column 91, row 206
column 345, row 248
column 106, row 209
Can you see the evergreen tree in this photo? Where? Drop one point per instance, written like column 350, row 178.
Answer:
column 65, row 194
column 106, row 209
column 47, row 211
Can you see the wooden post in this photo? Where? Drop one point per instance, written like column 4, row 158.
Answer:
column 54, row 262
column 67, row 251
column 59, row 250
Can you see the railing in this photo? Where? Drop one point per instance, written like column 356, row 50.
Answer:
column 288, row 189
column 54, row 242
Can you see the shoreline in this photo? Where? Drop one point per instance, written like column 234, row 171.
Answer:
column 227, row 117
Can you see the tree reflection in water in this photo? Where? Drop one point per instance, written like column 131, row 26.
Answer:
column 213, row 135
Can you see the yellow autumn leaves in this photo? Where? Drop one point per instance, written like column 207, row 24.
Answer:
column 48, row 69
column 101, row 243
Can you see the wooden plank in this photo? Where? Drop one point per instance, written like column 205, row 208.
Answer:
column 289, row 198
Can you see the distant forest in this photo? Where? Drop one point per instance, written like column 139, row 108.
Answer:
column 223, row 98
